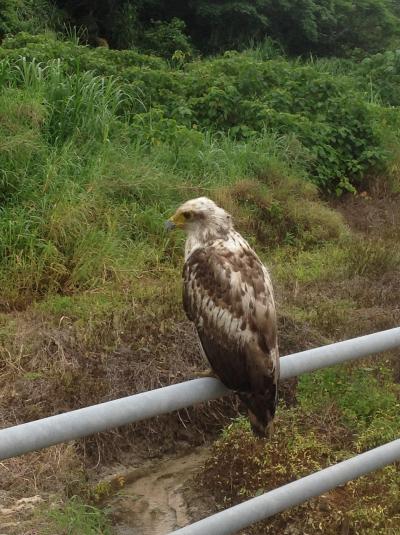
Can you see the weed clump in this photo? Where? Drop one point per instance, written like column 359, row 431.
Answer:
column 333, row 420
column 75, row 516
column 284, row 211
column 373, row 418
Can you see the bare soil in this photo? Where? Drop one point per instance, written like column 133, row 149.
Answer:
column 160, row 496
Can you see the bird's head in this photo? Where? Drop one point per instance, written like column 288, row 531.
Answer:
column 202, row 217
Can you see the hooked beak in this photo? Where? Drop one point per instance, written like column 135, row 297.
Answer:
column 169, row 225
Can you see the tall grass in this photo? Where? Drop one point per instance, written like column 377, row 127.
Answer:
column 86, row 184
column 80, row 104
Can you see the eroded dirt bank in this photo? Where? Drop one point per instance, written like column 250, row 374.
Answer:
column 160, row 496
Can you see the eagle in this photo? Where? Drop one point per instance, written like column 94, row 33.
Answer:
column 228, row 295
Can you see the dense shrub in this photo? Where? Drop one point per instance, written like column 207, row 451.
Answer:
column 382, row 73
column 28, row 15
column 344, row 134
column 166, row 38
column 333, row 28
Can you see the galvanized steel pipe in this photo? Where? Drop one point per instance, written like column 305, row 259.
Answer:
column 325, row 356
column 236, row 518
column 82, row 422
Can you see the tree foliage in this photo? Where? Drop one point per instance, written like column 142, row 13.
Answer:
column 324, row 27
column 28, row 15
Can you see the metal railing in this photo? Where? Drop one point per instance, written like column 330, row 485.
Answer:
column 235, row 518
column 82, row 422
column 79, row 423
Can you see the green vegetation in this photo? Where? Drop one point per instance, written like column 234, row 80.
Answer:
column 327, row 27
column 335, row 418
column 374, row 418
column 98, row 146
column 32, row 16
column 94, row 163
column 75, row 517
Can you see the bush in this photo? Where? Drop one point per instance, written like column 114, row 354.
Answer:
column 123, row 26
column 165, row 38
column 345, row 136
column 382, row 74
column 329, row 27
column 281, row 210
column 31, row 16
column 326, row 113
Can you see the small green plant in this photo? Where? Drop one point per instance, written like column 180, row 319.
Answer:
column 77, row 518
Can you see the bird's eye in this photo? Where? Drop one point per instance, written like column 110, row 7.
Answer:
column 187, row 215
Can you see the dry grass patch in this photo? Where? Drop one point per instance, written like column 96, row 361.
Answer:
column 55, row 469
column 68, row 353
column 281, row 212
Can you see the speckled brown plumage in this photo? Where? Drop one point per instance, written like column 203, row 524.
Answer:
column 228, row 295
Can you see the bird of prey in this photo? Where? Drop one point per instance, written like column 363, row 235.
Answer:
column 227, row 294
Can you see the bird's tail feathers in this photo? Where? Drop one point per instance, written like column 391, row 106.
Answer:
column 261, row 411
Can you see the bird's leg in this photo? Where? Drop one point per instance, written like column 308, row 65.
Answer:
column 270, row 429
column 204, row 373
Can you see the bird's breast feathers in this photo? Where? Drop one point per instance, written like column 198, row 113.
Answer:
column 228, row 295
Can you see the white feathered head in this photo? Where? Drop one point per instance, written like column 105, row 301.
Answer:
column 199, row 216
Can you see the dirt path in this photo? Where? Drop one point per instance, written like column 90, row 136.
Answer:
column 160, row 496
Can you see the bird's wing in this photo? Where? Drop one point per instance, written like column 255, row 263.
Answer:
column 228, row 295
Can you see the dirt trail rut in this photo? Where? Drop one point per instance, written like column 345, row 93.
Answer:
column 160, row 497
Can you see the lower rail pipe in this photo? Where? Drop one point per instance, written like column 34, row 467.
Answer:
column 243, row 515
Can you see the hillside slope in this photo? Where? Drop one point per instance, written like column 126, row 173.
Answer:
column 97, row 148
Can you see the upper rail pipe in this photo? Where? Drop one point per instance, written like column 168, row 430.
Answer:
column 240, row 516
column 79, row 423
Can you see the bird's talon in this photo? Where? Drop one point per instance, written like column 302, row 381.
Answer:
column 204, row 373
